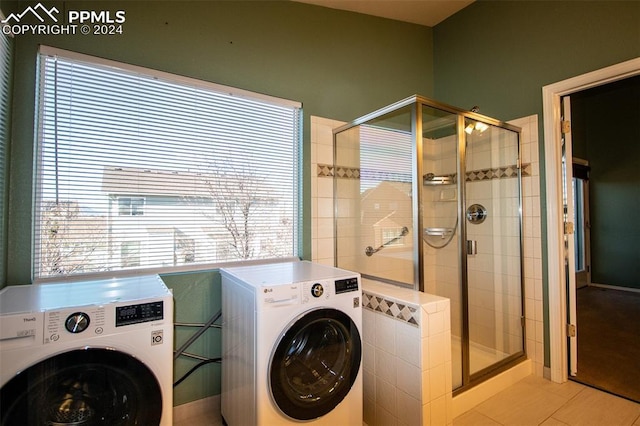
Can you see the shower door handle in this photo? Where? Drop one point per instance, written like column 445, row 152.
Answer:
column 472, row 247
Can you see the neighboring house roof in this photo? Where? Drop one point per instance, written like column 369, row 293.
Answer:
column 387, row 222
column 136, row 181
column 388, row 190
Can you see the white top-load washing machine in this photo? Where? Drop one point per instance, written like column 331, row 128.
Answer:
column 98, row 353
column 291, row 345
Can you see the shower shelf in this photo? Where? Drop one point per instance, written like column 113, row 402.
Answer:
column 438, row 232
column 430, row 179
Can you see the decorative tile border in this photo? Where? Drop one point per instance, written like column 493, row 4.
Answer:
column 327, row 170
column 347, row 172
column 400, row 311
column 498, row 173
column 341, row 172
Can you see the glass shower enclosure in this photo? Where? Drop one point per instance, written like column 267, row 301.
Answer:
column 428, row 196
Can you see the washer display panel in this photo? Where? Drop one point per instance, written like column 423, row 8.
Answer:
column 315, row 364
column 83, row 387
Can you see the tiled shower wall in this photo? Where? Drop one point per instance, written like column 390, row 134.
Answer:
column 406, row 357
column 532, row 242
column 322, row 170
column 442, row 271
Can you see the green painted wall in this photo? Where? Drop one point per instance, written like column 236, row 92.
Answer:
column 340, row 65
column 499, row 54
column 604, row 130
column 197, row 298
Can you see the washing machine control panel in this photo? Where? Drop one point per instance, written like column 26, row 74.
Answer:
column 78, row 323
column 316, row 291
column 142, row 312
column 313, row 291
column 84, row 322
column 346, row 285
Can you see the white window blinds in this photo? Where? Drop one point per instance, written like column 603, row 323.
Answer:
column 385, row 156
column 141, row 169
column 6, row 79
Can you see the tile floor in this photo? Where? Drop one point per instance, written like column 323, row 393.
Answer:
column 535, row 401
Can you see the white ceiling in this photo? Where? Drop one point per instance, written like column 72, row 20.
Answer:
column 423, row 12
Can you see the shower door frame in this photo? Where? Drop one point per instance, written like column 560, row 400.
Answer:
column 417, row 102
column 469, row 379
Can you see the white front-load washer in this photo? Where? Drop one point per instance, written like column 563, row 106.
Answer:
column 291, row 345
column 87, row 353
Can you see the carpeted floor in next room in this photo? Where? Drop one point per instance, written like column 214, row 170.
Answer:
column 609, row 340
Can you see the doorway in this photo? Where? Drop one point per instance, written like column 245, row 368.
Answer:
column 603, row 181
column 557, row 290
column 582, row 222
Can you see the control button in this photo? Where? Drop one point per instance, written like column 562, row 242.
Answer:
column 99, row 330
column 317, row 290
column 54, row 337
column 77, row 322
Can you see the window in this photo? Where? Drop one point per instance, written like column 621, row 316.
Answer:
column 128, row 206
column 385, row 156
column 6, row 79
column 142, row 169
column 392, row 236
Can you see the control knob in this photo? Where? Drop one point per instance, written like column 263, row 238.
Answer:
column 77, row 322
column 317, row 290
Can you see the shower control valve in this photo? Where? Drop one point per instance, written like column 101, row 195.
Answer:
column 476, row 214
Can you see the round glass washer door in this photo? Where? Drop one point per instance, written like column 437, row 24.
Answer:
column 83, row 387
column 315, row 364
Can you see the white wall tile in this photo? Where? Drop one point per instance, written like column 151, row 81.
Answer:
column 386, row 365
column 369, row 412
column 438, row 411
column 386, row 396
column 325, row 188
column 437, row 386
column 322, row 190
column 385, row 334
column 408, row 378
column 369, row 386
column 409, row 409
column 436, row 323
column 369, row 356
column 384, row 418
column 408, row 343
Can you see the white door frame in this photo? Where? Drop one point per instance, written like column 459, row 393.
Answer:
column 551, row 97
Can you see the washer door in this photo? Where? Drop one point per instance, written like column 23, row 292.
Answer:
column 315, row 364
column 83, row 387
